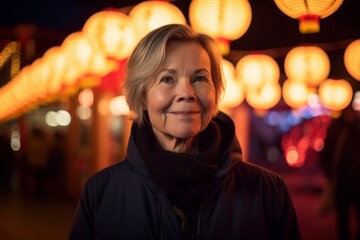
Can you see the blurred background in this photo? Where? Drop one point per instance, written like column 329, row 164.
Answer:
column 289, row 73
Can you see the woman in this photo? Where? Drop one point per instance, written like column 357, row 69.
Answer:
column 183, row 176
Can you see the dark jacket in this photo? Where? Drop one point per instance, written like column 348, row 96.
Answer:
column 244, row 202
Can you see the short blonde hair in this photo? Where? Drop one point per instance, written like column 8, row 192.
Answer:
column 149, row 55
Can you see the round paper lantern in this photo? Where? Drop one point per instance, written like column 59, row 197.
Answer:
column 224, row 20
column 308, row 12
column 264, row 97
column 309, row 64
column 352, row 59
column 112, row 33
column 233, row 93
column 82, row 54
column 149, row 15
column 255, row 70
column 335, row 94
column 295, row 93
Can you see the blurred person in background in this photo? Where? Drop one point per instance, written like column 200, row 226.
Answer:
column 340, row 159
column 56, row 165
column 183, row 176
column 37, row 162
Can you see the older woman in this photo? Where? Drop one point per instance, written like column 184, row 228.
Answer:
column 183, row 176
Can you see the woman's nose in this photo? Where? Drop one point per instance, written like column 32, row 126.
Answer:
column 185, row 92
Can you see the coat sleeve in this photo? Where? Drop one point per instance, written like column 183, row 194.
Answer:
column 83, row 224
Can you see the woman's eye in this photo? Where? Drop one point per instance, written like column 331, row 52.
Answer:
column 200, row 78
column 166, row 79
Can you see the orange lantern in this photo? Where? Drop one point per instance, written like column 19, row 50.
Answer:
column 40, row 77
column 149, row 15
column 335, row 94
column 224, row 20
column 309, row 64
column 308, row 12
column 295, row 93
column 82, row 54
column 264, row 97
column 112, row 33
column 255, row 70
column 61, row 71
column 352, row 59
column 233, row 93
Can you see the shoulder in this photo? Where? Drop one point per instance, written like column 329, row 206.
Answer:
column 255, row 175
column 116, row 172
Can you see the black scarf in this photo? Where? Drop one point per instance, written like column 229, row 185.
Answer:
column 184, row 177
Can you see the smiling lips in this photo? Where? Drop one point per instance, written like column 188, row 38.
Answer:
column 185, row 113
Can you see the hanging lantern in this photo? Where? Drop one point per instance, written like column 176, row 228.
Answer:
column 149, row 15
column 352, row 59
column 82, row 54
column 335, row 94
column 264, row 97
column 224, row 20
column 255, row 70
column 233, row 93
column 40, row 76
column 309, row 64
column 308, row 12
column 295, row 93
column 112, row 33
column 57, row 62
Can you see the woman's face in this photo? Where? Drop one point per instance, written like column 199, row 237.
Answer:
column 181, row 97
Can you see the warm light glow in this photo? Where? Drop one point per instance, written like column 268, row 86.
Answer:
column 50, row 119
column 335, row 94
column 264, row 97
column 356, row 101
column 81, row 53
column 112, row 33
column 86, row 97
column 234, row 93
column 309, row 64
column 83, row 112
column 255, row 70
column 308, row 12
column 118, row 106
column 294, row 157
column 58, row 64
column 63, row 118
column 221, row 19
column 352, row 59
column 149, row 15
column 295, row 93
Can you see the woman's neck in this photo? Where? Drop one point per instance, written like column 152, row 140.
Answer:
column 169, row 143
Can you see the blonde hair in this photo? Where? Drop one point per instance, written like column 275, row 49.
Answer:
column 149, row 55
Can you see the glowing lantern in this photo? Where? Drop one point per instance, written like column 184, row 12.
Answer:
column 65, row 75
column 352, row 59
column 224, row 20
column 335, row 94
column 112, row 33
column 308, row 12
column 59, row 66
column 295, row 93
column 149, row 15
column 264, row 97
column 82, row 54
column 309, row 64
column 233, row 94
column 40, row 76
column 256, row 70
